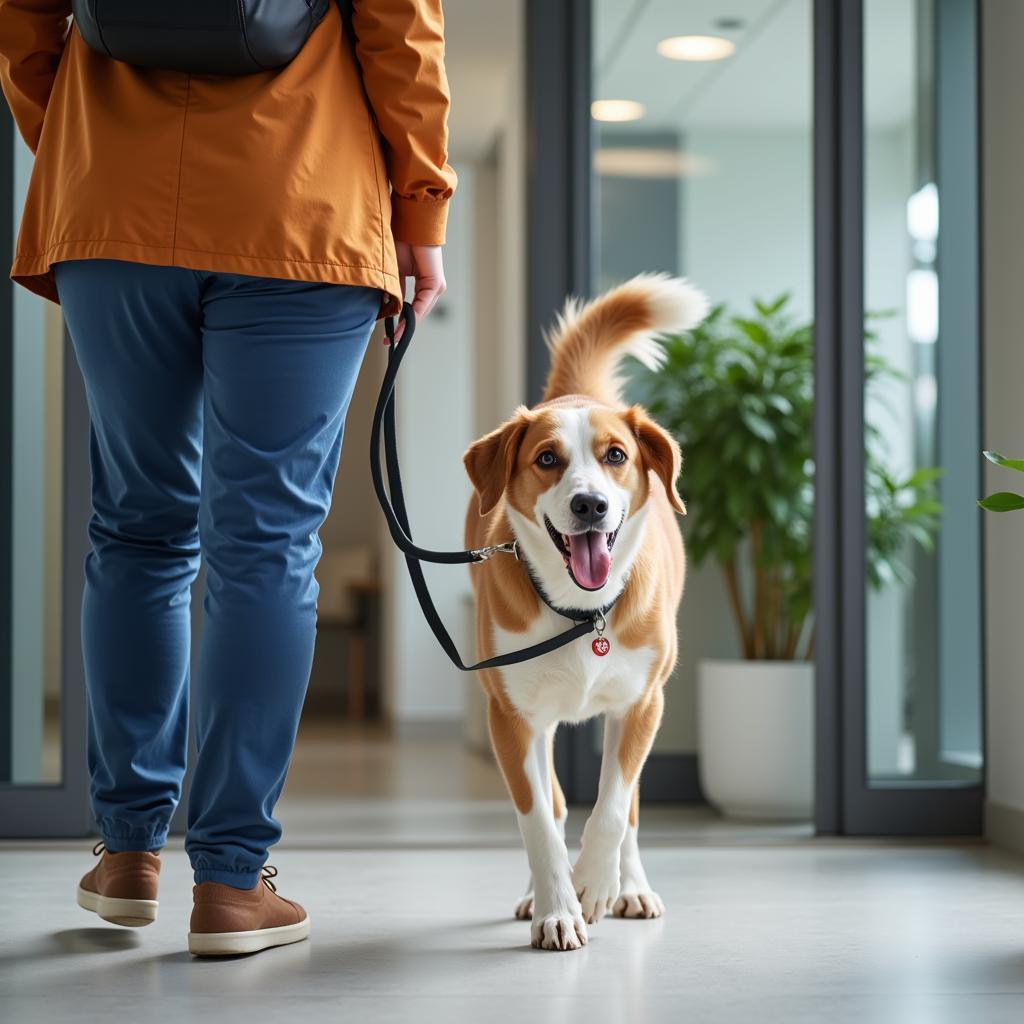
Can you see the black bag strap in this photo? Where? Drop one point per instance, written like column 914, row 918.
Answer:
column 393, row 506
column 345, row 6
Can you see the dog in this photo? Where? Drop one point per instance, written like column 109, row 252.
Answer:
column 586, row 486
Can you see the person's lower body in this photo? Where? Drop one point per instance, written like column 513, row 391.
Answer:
column 217, row 405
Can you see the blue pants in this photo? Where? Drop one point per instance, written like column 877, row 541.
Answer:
column 217, row 403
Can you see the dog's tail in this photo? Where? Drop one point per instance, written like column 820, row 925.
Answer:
column 590, row 341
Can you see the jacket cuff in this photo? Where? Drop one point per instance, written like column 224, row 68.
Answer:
column 418, row 222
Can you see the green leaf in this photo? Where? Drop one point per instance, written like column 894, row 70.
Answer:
column 781, row 403
column 752, row 329
column 734, row 447
column 925, row 475
column 1002, row 501
column 923, row 510
column 921, row 535
column 1002, row 460
column 778, row 507
column 760, row 426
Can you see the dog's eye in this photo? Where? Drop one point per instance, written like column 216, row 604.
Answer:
column 547, row 459
column 615, row 456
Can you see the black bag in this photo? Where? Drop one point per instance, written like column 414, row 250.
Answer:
column 221, row 37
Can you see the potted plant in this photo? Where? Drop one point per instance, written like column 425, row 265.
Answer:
column 738, row 393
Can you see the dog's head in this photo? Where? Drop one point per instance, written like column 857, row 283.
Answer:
column 576, row 478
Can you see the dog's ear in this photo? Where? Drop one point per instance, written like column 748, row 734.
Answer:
column 490, row 461
column 660, row 452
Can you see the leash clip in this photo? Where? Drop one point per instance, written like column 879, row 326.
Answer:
column 509, row 548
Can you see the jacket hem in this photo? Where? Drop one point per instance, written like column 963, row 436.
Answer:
column 35, row 271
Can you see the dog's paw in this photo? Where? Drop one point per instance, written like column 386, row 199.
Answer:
column 561, row 930
column 524, row 908
column 646, row 904
column 597, row 884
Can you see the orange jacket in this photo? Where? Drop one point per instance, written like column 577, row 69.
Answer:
column 281, row 173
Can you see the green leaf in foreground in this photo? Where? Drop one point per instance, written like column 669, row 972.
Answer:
column 1002, row 501
column 1002, row 460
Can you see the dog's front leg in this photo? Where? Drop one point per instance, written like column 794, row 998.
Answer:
column 524, row 908
column 627, row 741
column 523, row 757
column 636, row 897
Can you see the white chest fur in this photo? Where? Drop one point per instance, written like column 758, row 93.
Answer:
column 573, row 683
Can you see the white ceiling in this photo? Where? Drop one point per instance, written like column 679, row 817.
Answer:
column 766, row 83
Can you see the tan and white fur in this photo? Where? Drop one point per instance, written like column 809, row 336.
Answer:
column 587, row 486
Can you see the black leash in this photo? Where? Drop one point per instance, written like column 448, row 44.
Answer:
column 393, row 506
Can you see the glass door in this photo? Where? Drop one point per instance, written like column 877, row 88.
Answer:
column 921, row 400
column 898, row 558
column 44, row 482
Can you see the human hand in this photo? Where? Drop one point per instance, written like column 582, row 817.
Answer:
column 424, row 264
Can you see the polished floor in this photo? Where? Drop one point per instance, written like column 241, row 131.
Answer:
column 364, row 788
column 412, row 921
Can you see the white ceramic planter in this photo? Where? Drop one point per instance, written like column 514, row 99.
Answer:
column 756, row 734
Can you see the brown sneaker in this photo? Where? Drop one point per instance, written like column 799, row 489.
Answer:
column 122, row 888
column 227, row 921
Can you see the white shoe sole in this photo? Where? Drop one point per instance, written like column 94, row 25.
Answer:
column 129, row 913
column 234, row 943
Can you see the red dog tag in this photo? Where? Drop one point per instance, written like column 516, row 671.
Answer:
column 601, row 646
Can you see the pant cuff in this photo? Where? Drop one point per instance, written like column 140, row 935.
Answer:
column 119, row 839
column 237, row 879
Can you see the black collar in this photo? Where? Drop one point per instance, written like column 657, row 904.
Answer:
column 597, row 615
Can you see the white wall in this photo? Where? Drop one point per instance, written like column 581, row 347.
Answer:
column 1003, row 254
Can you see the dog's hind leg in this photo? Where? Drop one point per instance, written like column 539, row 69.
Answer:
column 636, row 897
column 523, row 757
column 524, row 908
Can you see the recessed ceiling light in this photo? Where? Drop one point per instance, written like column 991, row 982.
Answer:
column 616, row 110
column 696, row 48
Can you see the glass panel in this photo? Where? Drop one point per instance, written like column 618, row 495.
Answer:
column 703, row 167
column 30, row 708
column 921, row 397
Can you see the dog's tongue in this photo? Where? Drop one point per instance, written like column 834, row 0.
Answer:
column 590, row 559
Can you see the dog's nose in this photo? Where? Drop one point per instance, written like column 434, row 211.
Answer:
column 589, row 506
